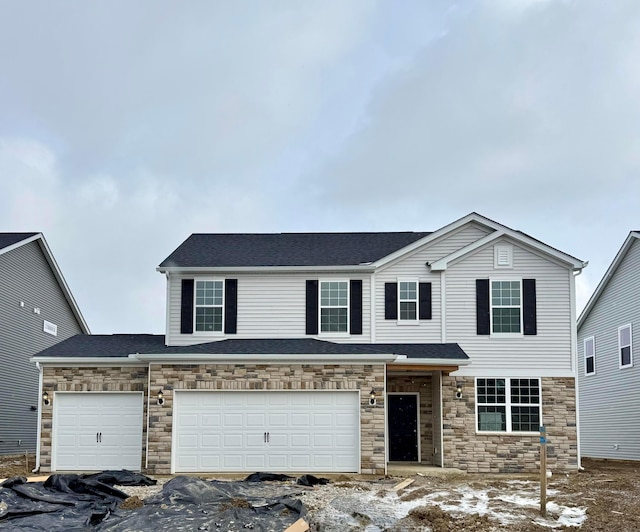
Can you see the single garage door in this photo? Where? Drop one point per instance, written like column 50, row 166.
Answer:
column 97, row 431
column 274, row 431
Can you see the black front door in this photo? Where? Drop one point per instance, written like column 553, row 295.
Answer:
column 402, row 411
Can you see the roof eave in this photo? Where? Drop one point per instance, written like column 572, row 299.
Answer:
column 264, row 269
column 633, row 235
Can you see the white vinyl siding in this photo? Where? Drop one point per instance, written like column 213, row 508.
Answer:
column 549, row 350
column 609, row 414
column 270, row 305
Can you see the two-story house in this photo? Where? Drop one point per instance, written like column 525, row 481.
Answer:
column 608, row 377
column 37, row 310
column 331, row 352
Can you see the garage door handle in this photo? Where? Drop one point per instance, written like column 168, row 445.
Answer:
column 267, row 437
column 100, row 437
column 97, row 440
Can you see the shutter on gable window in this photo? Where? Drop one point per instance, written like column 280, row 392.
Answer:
column 390, row 301
column 483, row 323
column 424, row 295
column 230, row 306
column 312, row 307
column 355, row 307
column 529, row 306
column 186, row 307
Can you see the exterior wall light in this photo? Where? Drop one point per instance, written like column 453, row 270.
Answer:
column 459, row 390
column 372, row 397
column 160, row 398
column 45, row 399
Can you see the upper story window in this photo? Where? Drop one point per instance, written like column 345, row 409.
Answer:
column 209, row 304
column 624, row 346
column 589, row 355
column 508, row 405
column 408, row 300
column 334, row 306
column 506, row 307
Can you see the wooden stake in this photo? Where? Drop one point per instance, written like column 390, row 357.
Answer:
column 299, row 526
column 543, row 472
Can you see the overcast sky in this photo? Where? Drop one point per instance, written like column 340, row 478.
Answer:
column 125, row 126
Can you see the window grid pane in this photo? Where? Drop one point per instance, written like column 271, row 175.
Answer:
column 333, row 320
column 208, row 319
column 408, row 310
column 492, row 418
column 208, row 293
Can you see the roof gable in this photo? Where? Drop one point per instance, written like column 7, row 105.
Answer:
column 228, row 250
column 626, row 246
column 11, row 241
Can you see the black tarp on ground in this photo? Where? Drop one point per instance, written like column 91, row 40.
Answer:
column 90, row 502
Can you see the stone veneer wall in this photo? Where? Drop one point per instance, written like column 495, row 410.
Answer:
column 497, row 453
column 268, row 377
column 421, row 385
column 87, row 379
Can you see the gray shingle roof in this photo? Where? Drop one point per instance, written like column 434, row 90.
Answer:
column 122, row 345
column 287, row 249
column 8, row 239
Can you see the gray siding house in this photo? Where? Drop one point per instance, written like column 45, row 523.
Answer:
column 37, row 311
column 331, row 352
column 608, row 372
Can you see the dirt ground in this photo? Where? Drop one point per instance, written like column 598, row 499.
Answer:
column 606, row 492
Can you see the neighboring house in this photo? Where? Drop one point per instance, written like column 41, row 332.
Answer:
column 331, row 352
column 37, row 311
column 608, row 376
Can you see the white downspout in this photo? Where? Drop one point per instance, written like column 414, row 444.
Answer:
column 39, row 433
column 574, row 360
column 146, row 454
column 443, row 305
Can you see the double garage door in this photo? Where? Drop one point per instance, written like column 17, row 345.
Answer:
column 97, row 431
column 274, row 431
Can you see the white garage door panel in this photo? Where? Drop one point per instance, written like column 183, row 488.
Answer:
column 280, row 430
column 79, row 418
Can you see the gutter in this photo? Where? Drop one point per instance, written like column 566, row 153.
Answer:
column 188, row 358
column 404, row 361
column 85, row 361
column 265, row 269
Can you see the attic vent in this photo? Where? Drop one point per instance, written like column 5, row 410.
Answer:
column 503, row 256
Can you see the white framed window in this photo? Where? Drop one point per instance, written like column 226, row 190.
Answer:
column 503, row 256
column 209, row 305
column 334, row 306
column 407, row 300
column 508, row 405
column 506, row 307
column 624, row 346
column 589, row 355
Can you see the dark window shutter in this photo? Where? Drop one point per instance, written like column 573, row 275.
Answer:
column 483, row 323
column 312, row 307
column 390, row 301
column 186, row 307
column 424, row 294
column 529, row 306
column 355, row 307
column 230, row 306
